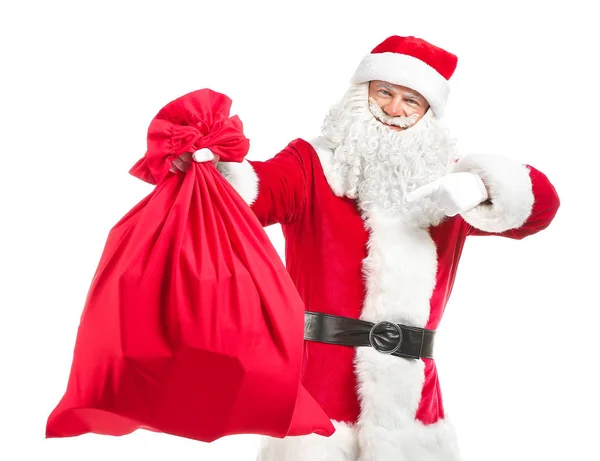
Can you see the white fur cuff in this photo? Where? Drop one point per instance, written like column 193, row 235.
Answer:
column 510, row 192
column 242, row 177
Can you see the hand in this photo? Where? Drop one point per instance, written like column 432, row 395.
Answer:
column 184, row 161
column 454, row 193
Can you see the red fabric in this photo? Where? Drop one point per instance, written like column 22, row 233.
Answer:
column 441, row 60
column 192, row 325
column 194, row 121
column 325, row 247
column 431, row 408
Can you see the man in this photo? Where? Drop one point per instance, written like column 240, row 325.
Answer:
column 375, row 214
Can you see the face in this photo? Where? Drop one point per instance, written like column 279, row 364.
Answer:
column 397, row 101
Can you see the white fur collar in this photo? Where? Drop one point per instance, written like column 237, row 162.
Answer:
column 325, row 154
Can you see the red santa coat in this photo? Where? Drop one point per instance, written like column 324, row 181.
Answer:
column 375, row 268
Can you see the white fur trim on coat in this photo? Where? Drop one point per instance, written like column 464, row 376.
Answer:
column 242, row 177
column 405, row 70
column 509, row 188
column 340, row 446
column 325, row 155
column 434, row 442
column 400, row 272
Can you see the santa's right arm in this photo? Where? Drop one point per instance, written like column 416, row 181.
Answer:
column 274, row 189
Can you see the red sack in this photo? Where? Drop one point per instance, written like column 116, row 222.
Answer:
column 192, row 325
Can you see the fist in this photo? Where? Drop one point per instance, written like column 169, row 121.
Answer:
column 454, row 193
column 184, row 161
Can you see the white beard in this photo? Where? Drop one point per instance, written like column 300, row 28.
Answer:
column 379, row 166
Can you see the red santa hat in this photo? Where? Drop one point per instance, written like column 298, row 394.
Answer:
column 414, row 63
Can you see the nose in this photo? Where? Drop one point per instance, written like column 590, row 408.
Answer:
column 394, row 108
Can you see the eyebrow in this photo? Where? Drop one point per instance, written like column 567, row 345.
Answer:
column 386, row 86
column 414, row 96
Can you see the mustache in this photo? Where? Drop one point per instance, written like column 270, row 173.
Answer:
column 400, row 120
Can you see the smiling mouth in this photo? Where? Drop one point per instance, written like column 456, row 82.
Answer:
column 393, row 127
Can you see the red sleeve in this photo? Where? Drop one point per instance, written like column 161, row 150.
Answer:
column 275, row 189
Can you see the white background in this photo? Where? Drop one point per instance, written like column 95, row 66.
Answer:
column 80, row 82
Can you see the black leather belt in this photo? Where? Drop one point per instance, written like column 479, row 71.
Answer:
column 385, row 337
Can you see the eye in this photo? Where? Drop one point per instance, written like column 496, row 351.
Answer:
column 413, row 102
column 385, row 92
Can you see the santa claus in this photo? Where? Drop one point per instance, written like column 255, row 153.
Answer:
column 375, row 214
